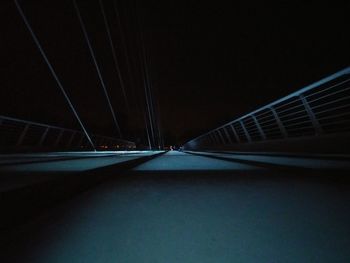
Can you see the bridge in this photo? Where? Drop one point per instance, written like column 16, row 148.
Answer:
column 271, row 185
column 235, row 192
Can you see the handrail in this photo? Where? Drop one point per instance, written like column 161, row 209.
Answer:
column 332, row 92
column 17, row 134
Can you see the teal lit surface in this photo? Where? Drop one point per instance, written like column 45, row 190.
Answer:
column 178, row 161
column 210, row 222
column 240, row 213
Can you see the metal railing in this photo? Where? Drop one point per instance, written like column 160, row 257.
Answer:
column 321, row 108
column 18, row 134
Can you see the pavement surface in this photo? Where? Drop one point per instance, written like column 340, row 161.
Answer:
column 181, row 207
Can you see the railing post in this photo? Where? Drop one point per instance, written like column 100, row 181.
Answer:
column 43, row 136
column 217, row 140
column 245, row 132
column 71, row 139
column 235, row 133
column 311, row 114
column 262, row 133
column 59, row 137
column 221, row 137
column 212, row 138
column 23, row 134
column 227, row 135
column 279, row 123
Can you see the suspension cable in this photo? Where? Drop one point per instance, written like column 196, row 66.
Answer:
column 96, row 66
column 147, row 133
column 59, row 83
column 123, row 42
column 114, row 55
column 148, row 93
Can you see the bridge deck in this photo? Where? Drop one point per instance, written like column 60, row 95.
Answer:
column 187, row 208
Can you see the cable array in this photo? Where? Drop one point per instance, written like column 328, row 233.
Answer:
column 138, row 71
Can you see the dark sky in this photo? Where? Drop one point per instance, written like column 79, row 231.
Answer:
column 209, row 62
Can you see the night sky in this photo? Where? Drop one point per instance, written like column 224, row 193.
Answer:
column 209, row 62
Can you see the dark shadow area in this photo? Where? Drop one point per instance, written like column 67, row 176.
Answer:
column 45, row 190
column 304, row 215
